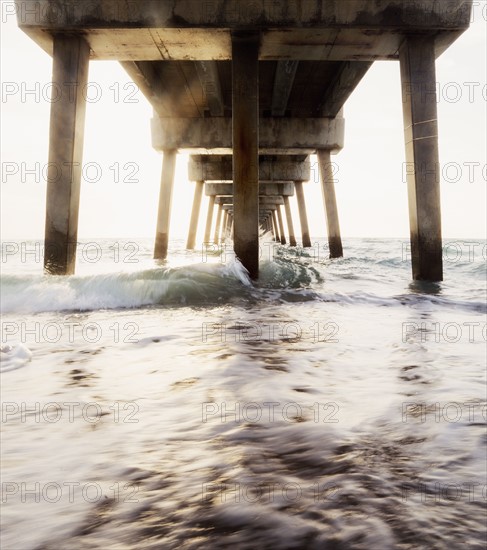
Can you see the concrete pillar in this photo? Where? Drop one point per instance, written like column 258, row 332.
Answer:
column 289, row 219
column 277, row 235
column 229, row 226
column 303, row 216
column 209, row 219
column 216, row 237
column 245, row 109
column 165, row 201
column 418, row 77
column 281, row 225
column 224, row 225
column 70, row 66
column 330, row 203
column 195, row 214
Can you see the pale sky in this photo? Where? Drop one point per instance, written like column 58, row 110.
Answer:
column 371, row 190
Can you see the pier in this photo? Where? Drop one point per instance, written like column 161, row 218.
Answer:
column 250, row 90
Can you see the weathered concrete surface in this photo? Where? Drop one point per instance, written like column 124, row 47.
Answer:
column 283, row 85
column 292, row 136
column 194, row 29
column 265, row 189
column 165, row 202
column 245, row 139
column 176, row 88
column 418, row 78
column 70, row 64
column 330, row 204
column 211, row 168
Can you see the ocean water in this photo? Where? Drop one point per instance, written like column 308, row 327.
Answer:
column 333, row 404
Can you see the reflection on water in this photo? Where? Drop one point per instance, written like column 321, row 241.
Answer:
column 425, row 287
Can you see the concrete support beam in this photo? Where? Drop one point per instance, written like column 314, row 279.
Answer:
column 70, row 65
column 145, row 76
column 216, row 237
column 418, row 76
column 289, row 220
column 278, row 135
column 283, row 83
column 218, row 168
column 192, row 15
column 245, row 111
column 330, row 203
column 303, row 216
column 265, row 189
column 195, row 214
column 209, row 219
column 281, row 225
column 346, row 80
column 210, row 81
column 165, row 201
column 263, row 201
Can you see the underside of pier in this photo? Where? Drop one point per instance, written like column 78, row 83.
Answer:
column 255, row 85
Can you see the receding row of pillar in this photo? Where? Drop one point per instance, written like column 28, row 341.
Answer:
column 417, row 61
column 271, row 220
